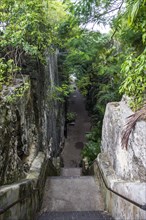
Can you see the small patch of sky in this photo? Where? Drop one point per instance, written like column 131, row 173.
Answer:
column 97, row 27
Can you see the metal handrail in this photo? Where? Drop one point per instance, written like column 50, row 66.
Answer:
column 143, row 207
column 3, row 210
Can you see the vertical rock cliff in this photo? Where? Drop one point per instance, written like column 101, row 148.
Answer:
column 31, row 120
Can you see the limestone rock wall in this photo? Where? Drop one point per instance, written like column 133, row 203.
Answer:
column 128, row 164
column 123, row 199
column 17, row 136
column 121, row 172
column 29, row 122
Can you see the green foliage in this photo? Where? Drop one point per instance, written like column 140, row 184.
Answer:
column 92, row 147
column 101, row 64
column 96, row 63
column 96, row 11
column 105, row 66
column 18, row 93
column 134, row 67
column 64, row 90
column 71, row 116
column 83, row 84
column 134, row 85
column 129, row 38
column 59, row 93
column 7, row 71
column 28, row 28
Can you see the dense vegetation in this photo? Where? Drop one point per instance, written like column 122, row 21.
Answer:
column 106, row 65
column 109, row 65
column 27, row 29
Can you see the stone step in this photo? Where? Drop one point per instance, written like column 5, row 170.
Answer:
column 71, row 172
column 72, row 194
column 94, row 215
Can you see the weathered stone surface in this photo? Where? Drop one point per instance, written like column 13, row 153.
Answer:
column 30, row 123
column 119, row 207
column 123, row 171
column 17, row 135
column 128, row 164
column 74, row 193
column 133, row 190
column 85, row 215
column 31, row 130
column 27, row 193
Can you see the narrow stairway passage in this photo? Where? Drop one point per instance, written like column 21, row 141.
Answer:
column 72, row 196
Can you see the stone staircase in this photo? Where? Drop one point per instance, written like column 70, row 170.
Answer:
column 72, row 196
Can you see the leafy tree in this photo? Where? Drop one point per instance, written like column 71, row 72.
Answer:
column 96, row 11
column 103, row 63
column 127, row 18
column 28, row 28
column 134, row 67
column 107, row 64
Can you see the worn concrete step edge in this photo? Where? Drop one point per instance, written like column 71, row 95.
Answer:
column 71, row 172
column 69, row 177
column 78, row 215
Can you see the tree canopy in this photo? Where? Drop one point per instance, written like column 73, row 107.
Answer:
column 27, row 28
column 101, row 61
column 106, row 65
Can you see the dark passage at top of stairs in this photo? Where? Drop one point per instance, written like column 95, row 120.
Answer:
column 85, row 215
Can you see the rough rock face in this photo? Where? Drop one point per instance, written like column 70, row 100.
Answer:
column 128, row 164
column 17, row 137
column 123, row 171
column 125, row 200
column 30, row 123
